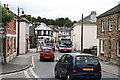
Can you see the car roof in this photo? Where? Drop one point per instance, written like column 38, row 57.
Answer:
column 79, row 54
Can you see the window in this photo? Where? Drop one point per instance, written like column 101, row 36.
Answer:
column 118, row 27
column 39, row 33
column 118, row 48
column 68, row 59
column 44, row 32
column 102, row 25
column 86, row 60
column 47, row 50
column 62, row 59
column 110, row 24
column 102, row 46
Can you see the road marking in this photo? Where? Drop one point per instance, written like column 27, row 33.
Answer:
column 33, row 73
column 26, row 74
column 0, row 78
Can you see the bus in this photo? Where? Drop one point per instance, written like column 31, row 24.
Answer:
column 65, row 45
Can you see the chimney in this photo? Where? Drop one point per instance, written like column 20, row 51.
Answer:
column 6, row 6
column 93, row 16
column 118, row 2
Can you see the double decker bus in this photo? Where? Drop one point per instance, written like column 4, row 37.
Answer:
column 65, row 45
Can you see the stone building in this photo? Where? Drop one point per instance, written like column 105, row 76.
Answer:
column 108, row 33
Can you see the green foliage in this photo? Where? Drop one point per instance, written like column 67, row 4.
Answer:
column 59, row 21
column 28, row 17
column 6, row 15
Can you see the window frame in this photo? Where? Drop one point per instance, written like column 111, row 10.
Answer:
column 118, row 25
column 102, row 26
column 102, row 46
column 110, row 24
column 118, row 48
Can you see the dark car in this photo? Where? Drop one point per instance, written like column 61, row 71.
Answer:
column 93, row 47
column 78, row 66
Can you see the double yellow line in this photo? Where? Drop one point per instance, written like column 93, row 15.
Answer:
column 33, row 66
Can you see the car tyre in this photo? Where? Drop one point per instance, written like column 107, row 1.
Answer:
column 56, row 74
column 53, row 60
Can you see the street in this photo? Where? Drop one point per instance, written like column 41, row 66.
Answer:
column 44, row 71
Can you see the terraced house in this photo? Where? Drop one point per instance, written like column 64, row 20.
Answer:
column 108, row 33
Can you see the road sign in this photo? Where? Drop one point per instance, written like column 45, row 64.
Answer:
column 2, row 30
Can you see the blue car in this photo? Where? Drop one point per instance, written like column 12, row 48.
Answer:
column 78, row 66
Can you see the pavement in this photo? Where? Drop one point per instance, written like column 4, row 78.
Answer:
column 23, row 62
column 19, row 63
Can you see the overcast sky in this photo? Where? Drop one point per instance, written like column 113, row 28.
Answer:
column 52, row 9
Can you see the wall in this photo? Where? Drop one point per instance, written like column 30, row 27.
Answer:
column 24, row 37
column 89, row 36
column 109, row 38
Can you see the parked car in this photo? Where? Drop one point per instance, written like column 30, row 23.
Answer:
column 75, row 65
column 51, row 45
column 93, row 47
column 47, row 54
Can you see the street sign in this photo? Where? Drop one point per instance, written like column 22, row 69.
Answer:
column 2, row 30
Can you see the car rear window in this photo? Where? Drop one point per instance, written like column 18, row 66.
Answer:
column 47, row 50
column 86, row 60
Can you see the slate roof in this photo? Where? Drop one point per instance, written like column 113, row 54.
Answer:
column 43, row 27
column 112, row 11
column 86, row 20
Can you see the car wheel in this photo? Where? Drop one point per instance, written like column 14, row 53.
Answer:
column 41, row 60
column 53, row 60
column 56, row 74
column 69, row 77
column 98, row 79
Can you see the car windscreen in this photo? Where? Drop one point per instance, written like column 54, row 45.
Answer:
column 47, row 50
column 86, row 60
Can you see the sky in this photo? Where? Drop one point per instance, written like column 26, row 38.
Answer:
column 53, row 9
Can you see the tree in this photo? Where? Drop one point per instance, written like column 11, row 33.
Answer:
column 28, row 17
column 6, row 15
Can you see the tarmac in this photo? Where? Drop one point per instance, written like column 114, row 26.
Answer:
column 23, row 62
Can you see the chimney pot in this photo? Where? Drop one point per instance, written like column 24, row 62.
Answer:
column 4, row 5
column 93, row 12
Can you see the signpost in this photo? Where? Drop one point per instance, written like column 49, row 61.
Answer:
column 2, row 30
column 2, row 35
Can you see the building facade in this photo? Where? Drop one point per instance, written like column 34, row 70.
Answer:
column 108, row 33
column 24, row 36
column 9, row 42
column 43, row 33
column 89, row 32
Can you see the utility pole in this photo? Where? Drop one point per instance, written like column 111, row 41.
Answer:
column 18, row 34
column 82, row 34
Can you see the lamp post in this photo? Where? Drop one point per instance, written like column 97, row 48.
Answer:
column 82, row 34
column 18, row 30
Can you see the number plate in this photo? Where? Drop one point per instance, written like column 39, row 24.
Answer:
column 47, row 57
column 88, row 69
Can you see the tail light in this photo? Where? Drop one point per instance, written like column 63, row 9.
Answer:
column 74, row 70
column 100, row 71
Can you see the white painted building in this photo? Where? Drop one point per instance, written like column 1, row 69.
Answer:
column 89, row 32
column 24, row 36
column 43, row 33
